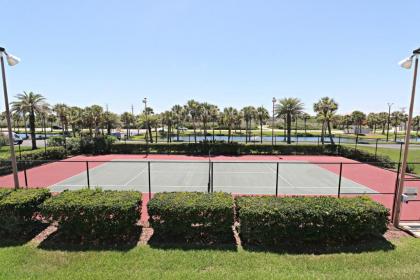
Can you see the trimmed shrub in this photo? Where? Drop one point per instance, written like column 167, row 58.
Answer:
column 280, row 220
column 56, row 141
column 192, row 217
column 96, row 145
column 18, row 208
column 220, row 148
column 94, row 215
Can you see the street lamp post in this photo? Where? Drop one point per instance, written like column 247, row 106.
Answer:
column 389, row 119
column 272, row 123
column 406, row 63
column 12, row 61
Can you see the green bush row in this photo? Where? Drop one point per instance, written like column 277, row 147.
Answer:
column 265, row 220
column 94, row 215
column 192, row 216
column 220, row 148
column 274, row 221
column 18, row 208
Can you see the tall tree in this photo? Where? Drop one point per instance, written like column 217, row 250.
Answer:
column 127, row 119
column 179, row 116
column 248, row 113
column 33, row 104
column 228, row 118
column 262, row 115
column 214, row 115
column 61, row 111
column 383, row 120
column 326, row 108
column 193, row 108
column 358, row 119
column 305, row 117
column 289, row 107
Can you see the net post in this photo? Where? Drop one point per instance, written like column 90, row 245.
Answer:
column 87, row 174
column 149, row 179
column 277, row 179
column 376, row 149
column 339, row 180
column 212, row 189
column 25, row 174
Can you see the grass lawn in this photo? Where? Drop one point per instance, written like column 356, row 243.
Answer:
column 145, row 262
column 394, row 154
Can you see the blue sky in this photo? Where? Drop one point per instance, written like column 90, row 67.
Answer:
column 231, row 53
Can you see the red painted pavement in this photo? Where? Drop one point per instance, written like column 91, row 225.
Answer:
column 376, row 178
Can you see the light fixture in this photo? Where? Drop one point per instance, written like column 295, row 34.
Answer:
column 12, row 60
column 406, row 62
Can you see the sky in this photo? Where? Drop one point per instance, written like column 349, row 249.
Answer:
column 230, row 53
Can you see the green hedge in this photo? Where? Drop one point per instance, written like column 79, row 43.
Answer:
column 33, row 158
column 17, row 209
column 220, row 148
column 192, row 217
column 94, row 215
column 275, row 221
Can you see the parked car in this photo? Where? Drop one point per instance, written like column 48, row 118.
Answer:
column 16, row 138
column 56, row 127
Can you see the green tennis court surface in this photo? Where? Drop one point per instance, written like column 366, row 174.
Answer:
column 298, row 178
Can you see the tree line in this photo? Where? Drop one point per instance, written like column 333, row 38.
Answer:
column 31, row 110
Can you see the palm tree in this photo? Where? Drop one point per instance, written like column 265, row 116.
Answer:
column 179, row 116
column 372, row 121
column 358, row 119
column 205, row 116
column 111, row 120
column 347, row 120
column 75, row 118
column 33, row 104
column 61, row 110
column 289, row 107
column 51, row 118
column 382, row 120
column 305, row 117
column 127, row 119
column 326, row 108
column 229, row 117
column 214, row 115
column 396, row 119
column 262, row 115
column 248, row 114
column 193, row 108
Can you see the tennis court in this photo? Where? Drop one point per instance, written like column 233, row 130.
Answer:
column 243, row 175
column 294, row 177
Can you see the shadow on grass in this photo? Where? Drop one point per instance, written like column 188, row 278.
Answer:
column 181, row 244
column 25, row 235
column 62, row 242
column 362, row 246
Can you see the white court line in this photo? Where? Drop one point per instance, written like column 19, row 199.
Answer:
column 284, row 179
column 135, row 177
column 79, row 174
column 244, row 187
